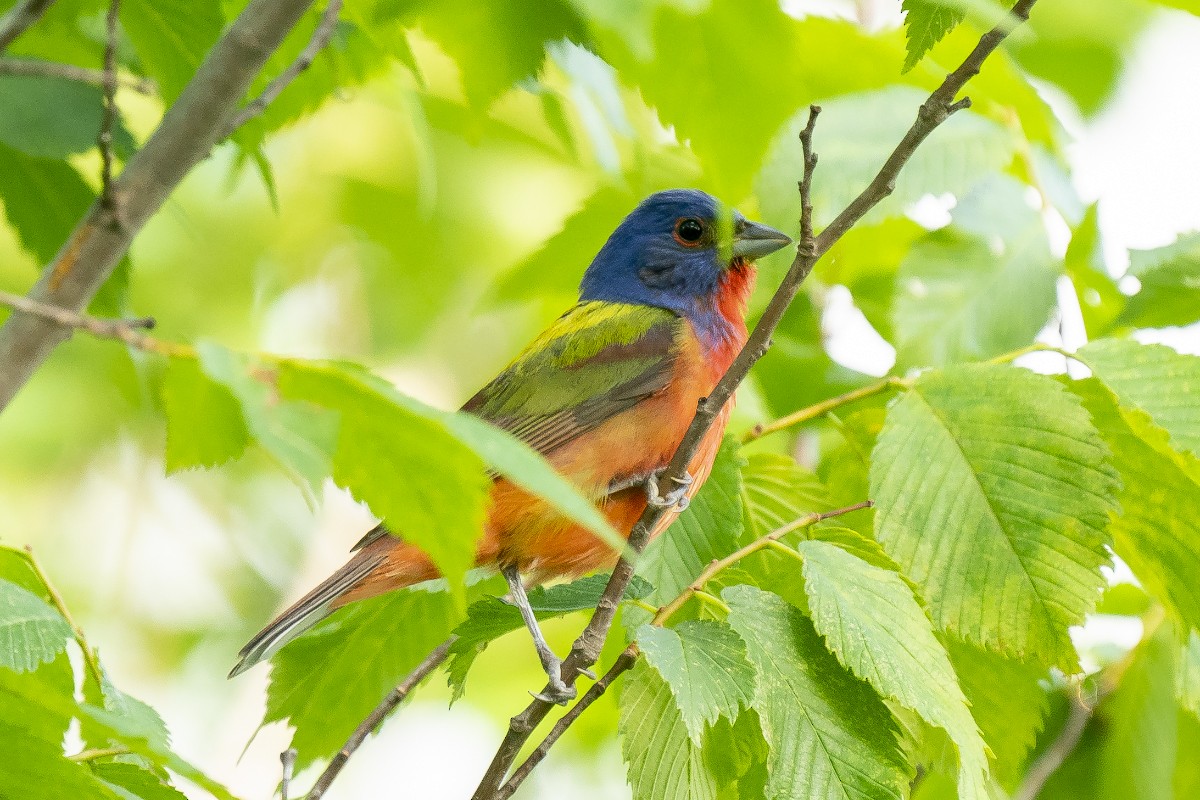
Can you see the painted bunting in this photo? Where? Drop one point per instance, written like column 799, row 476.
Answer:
column 605, row 394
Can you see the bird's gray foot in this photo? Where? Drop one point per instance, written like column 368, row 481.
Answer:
column 676, row 499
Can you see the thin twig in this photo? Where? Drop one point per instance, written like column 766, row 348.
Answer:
column 105, row 138
column 124, row 330
column 287, row 760
column 37, row 68
column 939, row 107
column 89, row 654
column 1082, row 711
column 822, row 408
column 320, row 38
column 807, row 239
column 20, row 19
column 630, row 654
column 394, row 698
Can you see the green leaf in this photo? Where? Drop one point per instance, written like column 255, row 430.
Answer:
column 491, row 617
column 31, row 631
column 374, row 404
column 131, row 782
column 35, row 769
column 694, row 48
column 1170, row 285
column 300, row 437
column 1159, row 525
column 1100, row 300
column 709, row 528
column 926, row 22
column 857, row 133
column 1006, row 460
column 1140, row 721
column 704, row 663
column 205, row 426
column 514, row 38
column 172, row 37
column 877, row 629
column 1006, row 702
column 325, row 682
column 42, row 702
column 777, row 491
column 653, row 735
column 1187, row 677
column 51, row 117
column 402, row 461
column 1155, row 379
column 830, row 735
column 43, row 200
column 977, row 289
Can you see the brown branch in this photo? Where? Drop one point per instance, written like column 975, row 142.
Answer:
column 123, row 330
column 20, row 19
column 630, row 654
column 807, row 241
column 624, row 662
column 320, row 38
column 37, row 68
column 394, row 698
column 105, row 138
column 186, row 135
column 939, row 107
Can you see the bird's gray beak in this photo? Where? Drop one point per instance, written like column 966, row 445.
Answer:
column 753, row 240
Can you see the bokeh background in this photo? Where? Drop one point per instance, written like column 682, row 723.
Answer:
column 421, row 219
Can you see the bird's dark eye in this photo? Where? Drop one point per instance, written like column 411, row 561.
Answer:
column 689, row 230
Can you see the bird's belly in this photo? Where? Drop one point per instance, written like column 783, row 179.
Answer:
column 524, row 529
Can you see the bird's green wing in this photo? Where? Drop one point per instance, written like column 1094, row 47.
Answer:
column 596, row 361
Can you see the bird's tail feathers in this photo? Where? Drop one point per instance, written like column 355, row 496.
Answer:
column 306, row 612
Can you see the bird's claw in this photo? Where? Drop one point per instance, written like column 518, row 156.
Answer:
column 587, row 673
column 557, row 691
column 676, row 499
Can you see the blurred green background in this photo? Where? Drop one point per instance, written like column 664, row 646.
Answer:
column 425, row 199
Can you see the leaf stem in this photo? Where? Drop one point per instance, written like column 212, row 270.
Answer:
column 712, row 600
column 824, row 407
column 89, row 654
column 103, row 752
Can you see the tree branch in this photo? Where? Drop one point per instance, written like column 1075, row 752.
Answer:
column 395, row 698
column 123, row 330
column 629, row 655
column 940, row 106
column 320, row 38
column 105, row 139
column 186, row 135
column 34, row 67
column 20, row 19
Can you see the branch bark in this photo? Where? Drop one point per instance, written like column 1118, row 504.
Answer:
column 320, row 38
column 188, row 132
column 34, row 67
column 395, row 698
column 20, row 19
column 933, row 112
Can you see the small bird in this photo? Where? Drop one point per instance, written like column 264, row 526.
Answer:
column 605, row 394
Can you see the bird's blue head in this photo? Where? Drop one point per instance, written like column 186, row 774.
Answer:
column 672, row 251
